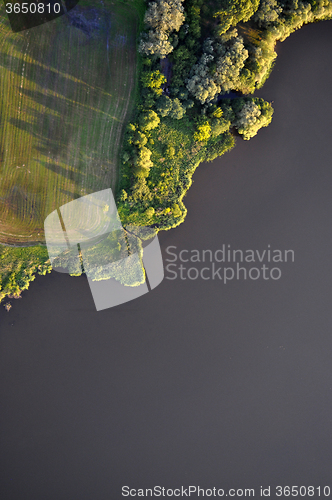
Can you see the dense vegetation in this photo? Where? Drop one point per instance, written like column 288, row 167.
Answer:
column 198, row 62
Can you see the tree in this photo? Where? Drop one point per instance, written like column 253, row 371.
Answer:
column 143, row 160
column 165, row 15
column 201, row 83
column 178, row 111
column 153, row 80
column 248, row 115
column 170, row 107
column 139, row 139
column 149, row 120
column 230, row 61
column 219, row 126
column 231, row 12
column 251, row 115
column 183, row 59
column 164, row 105
column 155, row 43
column 219, row 68
column 141, row 191
column 268, row 13
column 162, row 17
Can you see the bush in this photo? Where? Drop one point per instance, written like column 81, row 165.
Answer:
column 149, row 212
column 218, row 147
column 176, row 210
column 203, row 132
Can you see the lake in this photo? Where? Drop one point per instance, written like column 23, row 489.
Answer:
column 200, row 382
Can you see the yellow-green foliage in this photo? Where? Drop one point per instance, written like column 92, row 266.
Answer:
column 203, row 132
column 234, row 11
column 153, row 80
column 18, row 267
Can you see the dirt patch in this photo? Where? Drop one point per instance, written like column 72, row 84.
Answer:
column 87, row 19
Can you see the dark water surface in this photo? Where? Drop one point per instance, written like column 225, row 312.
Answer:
column 198, row 382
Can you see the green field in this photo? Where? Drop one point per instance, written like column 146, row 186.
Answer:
column 66, row 90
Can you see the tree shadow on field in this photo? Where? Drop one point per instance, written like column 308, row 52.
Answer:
column 64, row 112
column 59, row 170
column 59, row 99
column 57, row 136
column 70, row 194
column 75, row 29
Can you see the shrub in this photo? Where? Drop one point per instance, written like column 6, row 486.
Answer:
column 203, row 132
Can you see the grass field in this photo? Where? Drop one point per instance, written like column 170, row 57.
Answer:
column 66, row 90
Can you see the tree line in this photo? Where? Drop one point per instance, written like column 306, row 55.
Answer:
column 183, row 115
